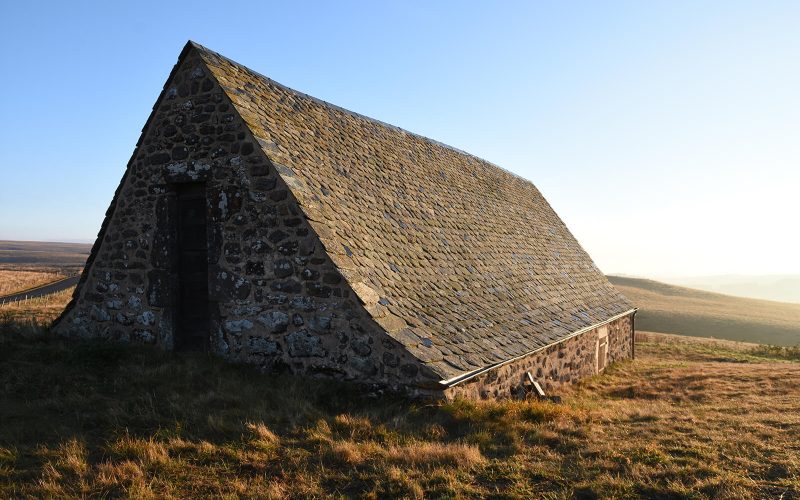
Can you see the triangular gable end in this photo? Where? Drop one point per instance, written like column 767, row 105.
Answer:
column 276, row 299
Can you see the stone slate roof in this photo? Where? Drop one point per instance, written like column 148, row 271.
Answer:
column 463, row 262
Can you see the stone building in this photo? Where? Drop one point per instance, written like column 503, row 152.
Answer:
column 272, row 228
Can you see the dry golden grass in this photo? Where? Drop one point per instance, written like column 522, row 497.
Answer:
column 17, row 281
column 695, row 342
column 705, row 419
column 36, row 311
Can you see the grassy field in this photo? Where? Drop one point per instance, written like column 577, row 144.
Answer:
column 35, row 312
column 674, row 309
column 15, row 280
column 687, row 418
column 26, row 264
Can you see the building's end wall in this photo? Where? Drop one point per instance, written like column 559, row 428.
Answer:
column 276, row 300
column 553, row 367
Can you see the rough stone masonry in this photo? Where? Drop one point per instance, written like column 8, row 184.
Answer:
column 293, row 280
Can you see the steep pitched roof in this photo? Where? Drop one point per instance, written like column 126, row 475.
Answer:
column 464, row 263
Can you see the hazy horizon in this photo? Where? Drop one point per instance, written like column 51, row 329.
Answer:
column 664, row 135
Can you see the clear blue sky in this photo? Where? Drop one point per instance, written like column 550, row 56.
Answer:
column 665, row 134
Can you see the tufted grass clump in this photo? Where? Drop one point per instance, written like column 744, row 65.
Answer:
column 775, row 351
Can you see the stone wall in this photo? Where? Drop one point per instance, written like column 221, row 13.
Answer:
column 553, row 367
column 277, row 300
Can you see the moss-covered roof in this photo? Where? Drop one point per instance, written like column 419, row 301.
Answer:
column 463, row 262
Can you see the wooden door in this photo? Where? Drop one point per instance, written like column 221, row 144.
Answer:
column 192, row 314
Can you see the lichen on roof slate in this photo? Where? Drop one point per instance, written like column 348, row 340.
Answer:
column 463, row 262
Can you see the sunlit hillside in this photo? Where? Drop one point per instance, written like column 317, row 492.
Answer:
column 674, row 309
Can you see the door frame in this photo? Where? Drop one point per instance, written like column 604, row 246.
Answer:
column 601, row 349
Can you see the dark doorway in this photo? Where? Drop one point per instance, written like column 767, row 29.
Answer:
column 192, row 314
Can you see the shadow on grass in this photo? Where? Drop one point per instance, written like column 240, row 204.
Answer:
column 93, row 418
column 79, row 408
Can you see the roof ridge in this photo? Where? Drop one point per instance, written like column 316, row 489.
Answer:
column 330, row 105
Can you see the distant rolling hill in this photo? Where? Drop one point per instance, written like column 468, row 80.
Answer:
column 686, row 311
column 783, row 288
column 42, row 254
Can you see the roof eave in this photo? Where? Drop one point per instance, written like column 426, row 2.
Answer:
column 458, row 379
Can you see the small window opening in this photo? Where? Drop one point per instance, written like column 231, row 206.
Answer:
column 601, row 353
